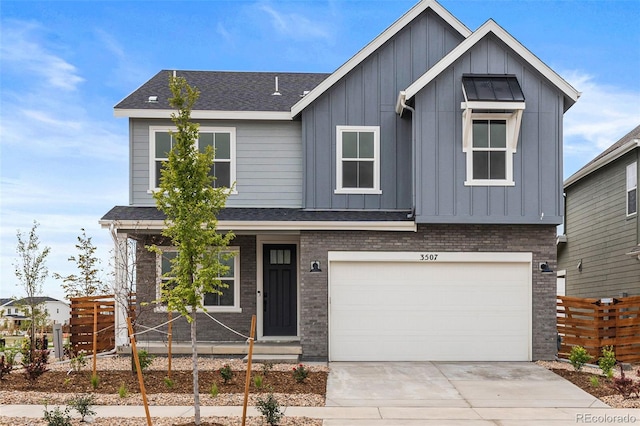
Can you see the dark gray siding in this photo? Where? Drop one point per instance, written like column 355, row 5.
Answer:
column 442, row 196
column 367, row 96
column 269, row 162
column 599, row 233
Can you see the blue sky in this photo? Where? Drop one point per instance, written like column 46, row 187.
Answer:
column 65, row 64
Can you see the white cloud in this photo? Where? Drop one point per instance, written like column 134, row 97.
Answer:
column 296, row 26
column 603, row 114
column 20, row 51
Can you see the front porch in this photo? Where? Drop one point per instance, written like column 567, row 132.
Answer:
column 275, row 352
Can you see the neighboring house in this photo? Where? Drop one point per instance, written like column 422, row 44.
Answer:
column 396, row 209
column 58, row 312
column 599, row 255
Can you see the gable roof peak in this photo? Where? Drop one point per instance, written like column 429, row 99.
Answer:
column 377, row 42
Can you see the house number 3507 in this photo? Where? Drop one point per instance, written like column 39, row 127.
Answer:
column 428, row 256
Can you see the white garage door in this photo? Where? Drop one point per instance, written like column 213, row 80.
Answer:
column 429, row 307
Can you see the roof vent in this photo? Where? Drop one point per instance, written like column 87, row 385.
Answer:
column 276, row 93
column 153, row 99
column 304, row 93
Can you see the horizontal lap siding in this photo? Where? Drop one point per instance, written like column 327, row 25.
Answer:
column 268, row 165
column 600, row 234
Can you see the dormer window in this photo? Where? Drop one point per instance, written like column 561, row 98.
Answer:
column 491, row 117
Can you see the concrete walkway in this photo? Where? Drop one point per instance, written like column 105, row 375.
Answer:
column 440, row 393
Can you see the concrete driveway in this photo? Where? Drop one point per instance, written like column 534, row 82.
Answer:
column 452, row 393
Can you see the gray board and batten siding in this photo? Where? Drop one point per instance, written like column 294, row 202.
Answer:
column 599, row 233
column 367, row 96
column 442, row 196
column 268, row 163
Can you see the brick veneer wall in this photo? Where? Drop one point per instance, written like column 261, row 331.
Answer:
column 537, row 239
column 207, row 330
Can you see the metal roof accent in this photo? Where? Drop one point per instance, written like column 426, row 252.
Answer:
column 492, row 88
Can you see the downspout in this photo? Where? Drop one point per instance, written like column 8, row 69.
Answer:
column 404, row 106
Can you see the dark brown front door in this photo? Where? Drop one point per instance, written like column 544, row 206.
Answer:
column 280, row 298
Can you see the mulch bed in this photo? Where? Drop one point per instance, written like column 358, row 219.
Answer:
column 583, row 381
column 154, row 382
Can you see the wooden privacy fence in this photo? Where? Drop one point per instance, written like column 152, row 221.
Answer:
column 82, row 322
column 596, row 323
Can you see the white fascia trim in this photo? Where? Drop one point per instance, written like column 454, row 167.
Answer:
column 612, row 156
column 243, row 225
column 206, row 115
column 376, row 43
column 491, row 27
column 442, row 256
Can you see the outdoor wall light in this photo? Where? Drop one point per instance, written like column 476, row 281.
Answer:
column 544, row 268
column 315, row 266
column 580, row 265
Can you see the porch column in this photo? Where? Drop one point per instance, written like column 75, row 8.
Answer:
column 121, row 290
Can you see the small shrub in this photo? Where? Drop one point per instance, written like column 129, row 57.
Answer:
column 266, row 368
column 123, row 391
column 145, row 359
column 300, row 372
column 6, row 365
column 56, row 417
column 82, row 404
column 226, row 373
column 607, row 361
column 594, row 381
column 169, row 382
column 579, row 357
column 78, row 361
column 33, row 370
column 95, row 381
column 269, row 407
column 625, row 386
column 258, row 381
column 214, row 390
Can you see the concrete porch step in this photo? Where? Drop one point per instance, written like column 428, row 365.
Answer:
column 284, row 350
column 273, row 359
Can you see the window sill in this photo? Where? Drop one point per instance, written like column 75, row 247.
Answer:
column 152, row 191
column 489, row 183
column 357, row 191
column 210, row 310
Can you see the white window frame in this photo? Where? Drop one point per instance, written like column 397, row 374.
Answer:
column 210, row 308
column 632, row 185
column 480, row 110
column 203, row 129
column 376, row 160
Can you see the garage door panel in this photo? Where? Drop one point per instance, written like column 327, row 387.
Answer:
column 415, row 311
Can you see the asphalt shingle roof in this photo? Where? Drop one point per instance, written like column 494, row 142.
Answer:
column 264, row 214
column 634, row 134
column 227, row 91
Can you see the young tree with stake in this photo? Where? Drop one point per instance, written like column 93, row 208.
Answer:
column 191, row 203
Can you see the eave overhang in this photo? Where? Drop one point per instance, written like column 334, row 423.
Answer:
column 601, row 162
column 206, row 115
column 288, row 226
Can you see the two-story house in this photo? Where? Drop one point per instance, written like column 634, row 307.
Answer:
column 12, row 311
column 399, row 208
column 599, row 252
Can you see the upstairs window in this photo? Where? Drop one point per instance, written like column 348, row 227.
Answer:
column 357, row 160
column 228, row 301
column 632, row 189
column 491, row 117
column 221, row 139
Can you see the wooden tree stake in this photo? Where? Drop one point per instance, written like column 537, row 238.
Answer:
column 134, row 353
column 248, row 378
column 95, row 337
column 169, row 348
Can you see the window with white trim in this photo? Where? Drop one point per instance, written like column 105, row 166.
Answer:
column 632, row 188
column 227, row 301
column 222, row 139
column 491, row 117
column 358, row 160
